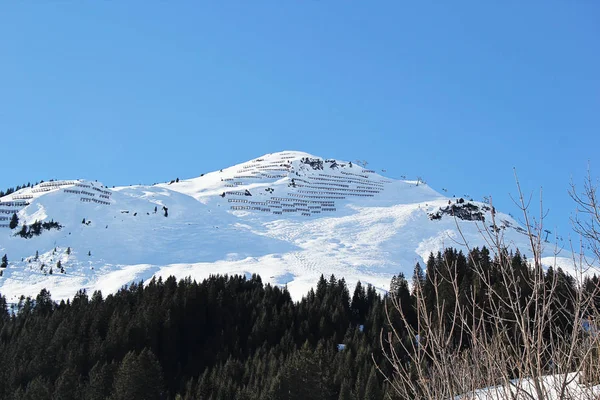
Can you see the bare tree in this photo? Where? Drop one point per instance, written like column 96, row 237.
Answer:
column 503, row 341
column 586, row 221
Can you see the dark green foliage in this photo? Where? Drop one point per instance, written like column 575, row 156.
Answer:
column 14, row 221
column 346, row 391
column 227, row 337
column 138, row 377
column 4, row 263
column 224, row 338
column 99, row 381
column 303, row 376
column 35, row 229
column 67, row 386
column 37, row 389
column 373, row 388
column 24, row 232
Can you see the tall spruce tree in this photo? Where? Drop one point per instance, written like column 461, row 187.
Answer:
column 372, row 390
column 67, row 386
column 345, row 391
column 14, row 221
column 100, row 380
column 139, row 377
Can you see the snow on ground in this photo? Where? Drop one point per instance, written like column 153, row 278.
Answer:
column 287, row 216
column 553, row 387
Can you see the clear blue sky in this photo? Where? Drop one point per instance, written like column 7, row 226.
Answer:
column 456, row 92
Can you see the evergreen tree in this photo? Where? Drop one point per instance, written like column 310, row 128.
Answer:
column 222, row 338
column 359, row 387
column 345, row 391
column 372, row 390
column 301, row 378
column 4, row 263
column 359, row 303
column 418, row 278
column 67, row 386
column 138, row 377
column 36, row 228
column 24, row 233
column 37, row 389
column 14, row 221
column 43, row 303
column 100, row 382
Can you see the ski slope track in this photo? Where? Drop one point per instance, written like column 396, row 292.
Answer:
column 288, row 216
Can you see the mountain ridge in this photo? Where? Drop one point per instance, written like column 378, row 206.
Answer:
column 289, row 216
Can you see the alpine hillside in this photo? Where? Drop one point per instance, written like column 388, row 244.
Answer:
column 288, row 216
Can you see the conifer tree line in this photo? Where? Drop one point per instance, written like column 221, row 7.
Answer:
column 232, row 337
column 479, row 321
column 11, row 190
column 492, row 320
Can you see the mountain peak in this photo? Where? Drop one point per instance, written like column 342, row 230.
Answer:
column 290, row 216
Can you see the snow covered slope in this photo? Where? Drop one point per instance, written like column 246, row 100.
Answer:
column 288, row 216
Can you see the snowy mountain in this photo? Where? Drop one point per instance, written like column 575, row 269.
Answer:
column 288, row 216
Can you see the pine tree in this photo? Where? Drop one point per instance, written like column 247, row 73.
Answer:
column 359, row 304
column 4, row 263
column 359, row 387
column 303, row 377
column 321, row 288
column 418, row 278
column 67, row 386
column 372, row 390
column 68, row 251
column 99, row 382
column 139, row 377
column 204, row 386
column 24, row 233
column 36, row 228
column 37, row 389
column 345, row 391
column 14, row 221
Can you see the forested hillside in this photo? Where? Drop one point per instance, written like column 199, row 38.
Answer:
column 227, row 337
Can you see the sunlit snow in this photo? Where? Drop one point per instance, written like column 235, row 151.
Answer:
column 301, row 221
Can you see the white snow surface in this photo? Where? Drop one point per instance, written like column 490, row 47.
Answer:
column 304, row 221
column 553, row 387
